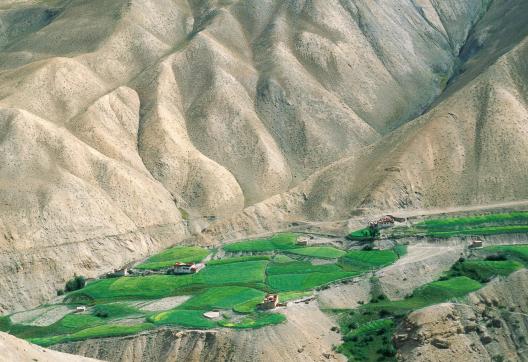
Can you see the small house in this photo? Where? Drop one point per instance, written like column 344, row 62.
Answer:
column 118, row 273
column 187, row 268
column 269, row 302
column 302, row 241
column 212, row 315
column 476, row 244
column 80, row 309
column 121, row 272
column 382, row 223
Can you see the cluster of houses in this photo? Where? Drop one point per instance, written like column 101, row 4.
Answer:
column 185, row 268
column 382, row 223
column 176, row 269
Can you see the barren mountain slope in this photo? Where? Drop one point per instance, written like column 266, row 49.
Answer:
column 14, row 349
column 469, row 148
column 115, row 115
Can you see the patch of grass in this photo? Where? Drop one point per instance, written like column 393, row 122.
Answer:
column 115, row 310
column 400, row 250
column 371, row 327
column 302, row 276
column 248, row 306
column 149, row 287
column 5, row 323
column 281, row 258
column 484, row 270
column 323, row 252
column 301, row 267
column 301, row 282
column 518, row 251
column 256, row 320
column 364, row 260
column 71, row 323
column 183, row 254
column 369, row 342
column 183, row 318
column 491, row 230
column 248, row 272
column 445, row 289
column 102, row 331
column 222, row 298
column 463, row 222
column 238, row 260
column 280, row 241
column 490, row 224
column 287, row 296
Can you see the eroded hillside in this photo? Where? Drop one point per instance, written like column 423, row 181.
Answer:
column 118, row 120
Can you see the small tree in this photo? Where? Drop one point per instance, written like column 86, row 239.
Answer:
column 76, row 283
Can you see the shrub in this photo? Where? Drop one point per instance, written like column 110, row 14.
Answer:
column 384, row 313
column 101, row 314
column 60, row 292
column 387, row 351
column 76, row 283
column 496, row 257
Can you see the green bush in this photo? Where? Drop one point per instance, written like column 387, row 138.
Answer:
column 114, row 310
column 281, row 241
column 76, row 283
column 183, row 254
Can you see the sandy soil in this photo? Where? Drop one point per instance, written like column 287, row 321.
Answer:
column 422, row 264
column 16, row 350
column 163, row 304
column 41, row 316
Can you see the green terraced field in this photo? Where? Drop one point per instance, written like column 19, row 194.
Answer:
column 287, row 296
column 301, row 276
column 282, row 241
column 299, row 282
column 183, row 318
column 71, row 323
column 115, row 310
column 490, row 230
column 477, row 225
column 238, row 260
column 102, row 331
column 484, row 270
column 183, row 254
column 160, row 286
column 238, row 284
column 519, row 251
column 463, row 222
column 223, row 298
column 301, row 267
column 256, row 320
column 363, row 260
column 323, row 252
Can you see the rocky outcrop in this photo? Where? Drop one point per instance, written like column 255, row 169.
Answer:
column 491, row 326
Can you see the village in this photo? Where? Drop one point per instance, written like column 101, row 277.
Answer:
column 252, row 283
